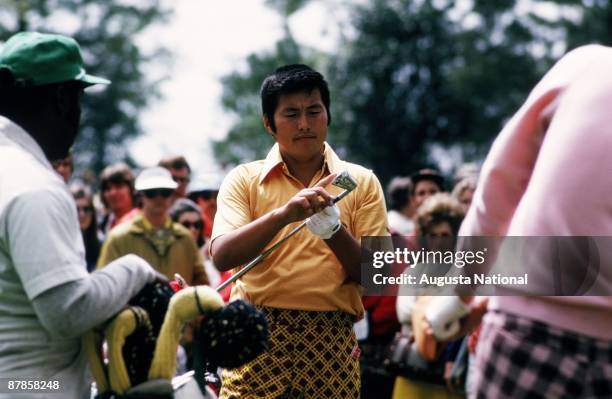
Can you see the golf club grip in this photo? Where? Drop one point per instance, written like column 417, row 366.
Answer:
column 264, row 254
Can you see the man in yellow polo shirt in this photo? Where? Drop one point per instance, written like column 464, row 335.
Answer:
column 308, row 287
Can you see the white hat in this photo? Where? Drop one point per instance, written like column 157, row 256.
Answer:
column 155, row 177
column 206, row 182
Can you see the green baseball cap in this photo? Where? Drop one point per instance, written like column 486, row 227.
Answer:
column 37, row 59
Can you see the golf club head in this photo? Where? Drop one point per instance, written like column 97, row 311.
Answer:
column 345, row 180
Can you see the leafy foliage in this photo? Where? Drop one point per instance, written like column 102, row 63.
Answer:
column 287, row 7
column 106, row 32
column 247, row 139
column 413, row 75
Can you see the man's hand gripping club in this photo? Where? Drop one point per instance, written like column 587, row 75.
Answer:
column 308, row 201
column 304, row 204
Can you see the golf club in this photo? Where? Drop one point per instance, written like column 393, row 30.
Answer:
column 343, row 180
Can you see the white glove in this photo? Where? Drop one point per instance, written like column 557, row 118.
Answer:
column 443, row 314
column 325, row 223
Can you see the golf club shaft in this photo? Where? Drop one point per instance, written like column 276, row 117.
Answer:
column 267, row 252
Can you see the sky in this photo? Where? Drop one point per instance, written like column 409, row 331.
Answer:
column 211, row 39
column 208, row 41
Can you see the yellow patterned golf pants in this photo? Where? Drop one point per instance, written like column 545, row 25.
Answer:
column 311, row 355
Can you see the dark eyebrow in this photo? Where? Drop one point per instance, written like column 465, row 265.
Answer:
column 296, row 109
column 290, row 109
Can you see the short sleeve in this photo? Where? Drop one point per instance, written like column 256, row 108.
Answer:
column 233, row 210
column 371, row 215
column 44, row 239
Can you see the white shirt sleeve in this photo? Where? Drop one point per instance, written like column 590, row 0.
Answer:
column 72, row 308
column 45, row 241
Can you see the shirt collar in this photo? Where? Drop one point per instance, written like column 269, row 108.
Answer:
column 148, row 226
column 274, row 160
column 141, row 224
column 17, row 135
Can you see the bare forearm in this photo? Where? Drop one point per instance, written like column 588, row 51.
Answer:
column 245, row 243
column 348, row 252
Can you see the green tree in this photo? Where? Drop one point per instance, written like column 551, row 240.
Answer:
column 422, row 73
column 591, row 23
column 106, row 32
column 287, row 7
column 247, row 139
column 411, row 76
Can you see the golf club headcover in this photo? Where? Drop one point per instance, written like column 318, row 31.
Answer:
column 131, row 337
column 443, row 314
column 122, row 326
column 325, row 223
column 233, row 335
column 139, row 347
column 184, row 306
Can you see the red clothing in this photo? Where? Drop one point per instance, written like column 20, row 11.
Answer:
column 114, row 221
column 208, row 225
column 381, row 310
column 225, row 294
column 382, row 315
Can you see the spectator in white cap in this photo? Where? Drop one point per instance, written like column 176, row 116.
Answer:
column 168, row 246
column 181, row 173
column 203, row 191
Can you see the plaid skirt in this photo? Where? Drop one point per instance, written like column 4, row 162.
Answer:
column 521, row 358
column 310, row 355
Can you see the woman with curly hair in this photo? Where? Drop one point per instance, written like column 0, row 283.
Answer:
column 437, row 223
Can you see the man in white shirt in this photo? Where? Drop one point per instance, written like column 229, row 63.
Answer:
column 401, row 211
column 47, row 298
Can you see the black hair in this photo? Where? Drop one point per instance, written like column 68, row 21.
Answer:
column 183, row 205
column 174, row 162
column 399, row 191
column 291, row 79
column 117, row 173
column 204, row 194
column 427, row 174
column 90, row 235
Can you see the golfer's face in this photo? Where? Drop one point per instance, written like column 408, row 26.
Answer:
column 301, row 125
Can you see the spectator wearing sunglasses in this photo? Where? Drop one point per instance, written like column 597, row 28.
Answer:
column 87, row 222
column 167, row 246
column 188, row 214
column 203, row 191
column 181, row 174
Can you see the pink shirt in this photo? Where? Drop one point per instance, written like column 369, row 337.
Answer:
column 549, row 173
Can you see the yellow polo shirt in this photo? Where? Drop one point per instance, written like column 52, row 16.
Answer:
column 303, row 273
